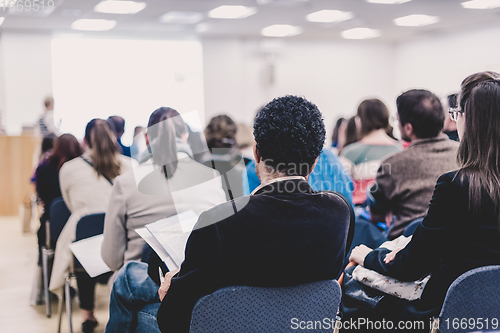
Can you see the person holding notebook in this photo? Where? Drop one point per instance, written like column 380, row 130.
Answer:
column 283, row 234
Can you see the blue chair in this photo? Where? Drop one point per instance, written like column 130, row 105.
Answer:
column 59, row 215
column 256, row 309
column 252, row 309
column 88, row 226
column 473, row 295
column 412, row 226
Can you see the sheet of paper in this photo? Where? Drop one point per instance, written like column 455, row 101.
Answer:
column 88, row 253
column 157, row 247
column 173, row 232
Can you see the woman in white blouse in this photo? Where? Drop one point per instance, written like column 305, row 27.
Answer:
column 86, row 185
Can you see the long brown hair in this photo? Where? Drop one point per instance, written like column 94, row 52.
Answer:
column 479, row 152
column 373, row 114
column 105, row 154
column 65, row 149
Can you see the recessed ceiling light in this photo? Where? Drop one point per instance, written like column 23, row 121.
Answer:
column 232, row 12
column 1, row 20
column 329, row 16
column 481, row 4
column 281, row 30
column 416, row 20
column 181, row 17
column 360, row 33
column 388, row 2
column 93, row 24
column 119, row 7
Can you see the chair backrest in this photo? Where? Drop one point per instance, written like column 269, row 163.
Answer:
column 254, row 309
column 89, row 225
column 412, row 226
column 474, row 294
column 59, row 215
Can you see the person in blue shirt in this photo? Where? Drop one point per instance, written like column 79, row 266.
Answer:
column 329, row 174
column 117, row 125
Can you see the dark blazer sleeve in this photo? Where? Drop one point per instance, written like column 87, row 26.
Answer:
column 431, row 239
column 197, row 277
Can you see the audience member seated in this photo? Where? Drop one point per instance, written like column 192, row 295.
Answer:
column 338, row 135
column 86, row 184
column 130, row 209
column 365, row 155
column 65, row 149
column 224, row 156
column 117, row 125
column 244, row 141
column 287, row 234
column 450, row 127
column 138, row 144
column 405, row 181
column 461, row 229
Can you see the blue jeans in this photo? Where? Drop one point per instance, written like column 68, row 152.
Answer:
column 134, row 301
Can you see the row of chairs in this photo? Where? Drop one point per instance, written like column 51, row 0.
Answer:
column 88, row 226
column 475, row 294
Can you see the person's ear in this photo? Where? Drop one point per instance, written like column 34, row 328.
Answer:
column 256, row 153
column 146, row 138
column 408, row 128
column 313, row 166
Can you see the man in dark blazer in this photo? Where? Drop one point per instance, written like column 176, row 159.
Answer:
column 283, row 234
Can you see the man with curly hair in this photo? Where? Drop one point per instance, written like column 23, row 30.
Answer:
column 283, row 234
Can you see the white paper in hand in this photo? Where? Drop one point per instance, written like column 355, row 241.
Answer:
column 88, row 253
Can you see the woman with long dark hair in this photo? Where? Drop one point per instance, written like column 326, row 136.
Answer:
column 66, row 148
column 365, row 155
column 86, row 184
column 461, row 229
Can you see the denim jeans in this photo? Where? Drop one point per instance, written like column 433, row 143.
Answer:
column 134, row 301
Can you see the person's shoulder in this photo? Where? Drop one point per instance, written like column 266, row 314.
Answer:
column 224, row 212
column 351, row 149
column 450, row 181
column 72, row 164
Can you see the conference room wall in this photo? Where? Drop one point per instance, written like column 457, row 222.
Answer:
column 441, row 62
column 242, row 75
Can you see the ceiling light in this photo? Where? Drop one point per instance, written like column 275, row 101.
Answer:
column 388, row 2
column 481, row 4
column 360, row 33
column 329, row 16
column 281, row 30
column 416, row 20
column 1, row 20
column 119, row 7
column 232, row 12
column 181, row 17
column 93, row 24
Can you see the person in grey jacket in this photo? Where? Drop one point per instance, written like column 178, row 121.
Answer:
column 405, row 181
column 145, row 195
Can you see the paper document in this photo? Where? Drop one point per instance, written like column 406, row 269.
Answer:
column 88, row 253
column 168, row 237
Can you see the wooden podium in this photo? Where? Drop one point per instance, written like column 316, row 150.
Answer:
column 16, row 169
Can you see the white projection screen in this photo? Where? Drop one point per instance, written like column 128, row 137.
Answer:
column 97, row 78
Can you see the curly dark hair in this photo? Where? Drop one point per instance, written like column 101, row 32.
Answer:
column 290, row 133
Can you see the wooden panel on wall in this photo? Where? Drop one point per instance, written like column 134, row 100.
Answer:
column 16, row 169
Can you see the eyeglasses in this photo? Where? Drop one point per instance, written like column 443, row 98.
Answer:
column 454, row 113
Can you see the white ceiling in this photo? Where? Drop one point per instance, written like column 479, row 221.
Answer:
column 453, row 18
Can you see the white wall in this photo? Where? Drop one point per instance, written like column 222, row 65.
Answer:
column 26, row 78
column 335, row 76
column 441, row 63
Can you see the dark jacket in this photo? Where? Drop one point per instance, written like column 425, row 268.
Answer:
column 286, row 235
column 450, row 241
column 405, row 181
